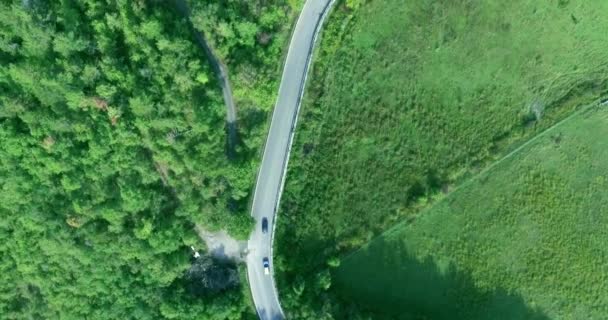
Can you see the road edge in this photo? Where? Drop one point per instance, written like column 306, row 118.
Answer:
column 318, row 28
column 309, row 60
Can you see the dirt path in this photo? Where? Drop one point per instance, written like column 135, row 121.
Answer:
column 221, row 72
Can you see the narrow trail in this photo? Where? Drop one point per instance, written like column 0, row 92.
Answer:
column 221, row 72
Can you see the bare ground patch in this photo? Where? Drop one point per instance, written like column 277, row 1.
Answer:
column 221, row 245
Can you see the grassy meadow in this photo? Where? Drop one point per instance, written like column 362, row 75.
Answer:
column 523, row 240
column 409, row 99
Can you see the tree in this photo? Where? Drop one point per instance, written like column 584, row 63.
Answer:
column 207, row 276
column 324, row 279
column 97, row 205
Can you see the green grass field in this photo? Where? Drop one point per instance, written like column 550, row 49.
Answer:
column 526, row 239
column 411, row 98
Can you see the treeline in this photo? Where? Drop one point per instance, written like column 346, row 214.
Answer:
column 112, row 147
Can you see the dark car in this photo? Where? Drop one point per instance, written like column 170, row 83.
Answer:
column 264, row 225
column 266, row 265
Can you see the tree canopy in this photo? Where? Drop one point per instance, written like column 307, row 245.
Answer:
column 112, row 147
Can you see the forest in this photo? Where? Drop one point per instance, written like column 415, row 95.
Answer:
column 114, row 146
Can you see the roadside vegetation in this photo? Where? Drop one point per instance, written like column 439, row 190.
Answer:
column 250, row 38
column 533, row 225
column 112, row 147
column 409, row 100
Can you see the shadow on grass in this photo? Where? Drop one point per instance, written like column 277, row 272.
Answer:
column 387, row 282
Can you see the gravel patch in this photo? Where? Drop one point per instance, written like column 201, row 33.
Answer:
column 221, row 245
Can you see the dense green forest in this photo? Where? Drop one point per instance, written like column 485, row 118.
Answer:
column 408, row 100
column 113, row 146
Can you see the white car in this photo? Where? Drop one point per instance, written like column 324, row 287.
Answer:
column 266, row 265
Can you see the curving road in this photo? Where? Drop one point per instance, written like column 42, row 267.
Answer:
column 276, row 154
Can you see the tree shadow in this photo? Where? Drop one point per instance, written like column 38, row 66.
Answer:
column 232, row 140
column 305, row 254
column 385, row 281
column 237, row 149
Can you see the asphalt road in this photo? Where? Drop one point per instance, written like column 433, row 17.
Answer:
column 276, row 154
